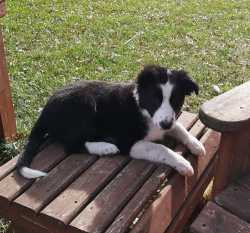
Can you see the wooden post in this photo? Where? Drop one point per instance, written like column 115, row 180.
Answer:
column 234, row 158
column 229, row 114
column 7, row 117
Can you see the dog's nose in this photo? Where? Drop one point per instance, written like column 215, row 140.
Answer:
column 166, row 124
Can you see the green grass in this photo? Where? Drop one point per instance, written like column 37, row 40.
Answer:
column 52, row 43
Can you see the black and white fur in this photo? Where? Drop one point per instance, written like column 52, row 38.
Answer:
column 106, row 118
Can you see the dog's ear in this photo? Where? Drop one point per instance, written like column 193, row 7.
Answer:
column 187, row 84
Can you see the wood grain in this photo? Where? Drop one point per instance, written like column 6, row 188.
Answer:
column 126, row 217
column 13, row 184
column 104, row 197
column 214, row 219
column 2, row 8
column 46, row 188
column 138, row 202
column 7, row 116
column 234, row 158
column 229, row 111
column 194, row 199
column 236, row 199
column 55, row 213
column 161, row 212
column 96, row 217
column 80, row 192
column 8, row 167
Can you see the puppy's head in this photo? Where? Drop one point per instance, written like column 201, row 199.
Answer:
column 161, row 92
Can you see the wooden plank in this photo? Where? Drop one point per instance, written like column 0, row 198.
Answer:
column 210, row 140
column 244, row 182
column 8, row 167
column 163, row 209
column 13, row 184
column 2, row 9
column 229, row 111
column 197, row 129
column 7, row 116
column 80, row 192
column 25, row 226
column 187, row 119
column 137, row 203
column 102, row 210
column 3, row 69
column 130, row 211
column 226, row 154
column 46, row 188
column 195, row 197
column 236, row 199
column 234, row 158
column 214, row 219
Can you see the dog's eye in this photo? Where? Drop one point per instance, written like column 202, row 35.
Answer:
column 177, row 100
column 158, row 95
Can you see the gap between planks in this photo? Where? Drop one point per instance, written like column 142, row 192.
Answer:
column 194, row 118
column 156, row 219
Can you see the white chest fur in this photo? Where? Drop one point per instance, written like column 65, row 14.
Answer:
column 154, row 133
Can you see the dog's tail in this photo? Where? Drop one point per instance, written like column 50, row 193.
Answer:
column 35, row 140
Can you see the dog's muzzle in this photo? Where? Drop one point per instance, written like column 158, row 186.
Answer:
column 167, row 124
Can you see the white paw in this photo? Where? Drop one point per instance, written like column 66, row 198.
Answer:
column 196, row 147
column 101, row 148
column 185, row 168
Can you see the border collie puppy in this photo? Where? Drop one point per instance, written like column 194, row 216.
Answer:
column 106, row 118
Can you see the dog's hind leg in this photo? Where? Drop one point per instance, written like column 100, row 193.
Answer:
column 161, row 154
column 101, row 148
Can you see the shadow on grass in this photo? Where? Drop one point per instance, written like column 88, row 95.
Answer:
column 7, row 151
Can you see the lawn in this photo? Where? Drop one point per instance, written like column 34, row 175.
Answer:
column 52, row 43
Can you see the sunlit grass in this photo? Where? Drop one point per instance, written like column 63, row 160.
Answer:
column 52, row 43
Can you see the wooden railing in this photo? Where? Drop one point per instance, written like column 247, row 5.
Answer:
column 7, row 117
column 229, row 114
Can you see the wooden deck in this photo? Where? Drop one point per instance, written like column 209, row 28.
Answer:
column 229, row 212
column 85, row 193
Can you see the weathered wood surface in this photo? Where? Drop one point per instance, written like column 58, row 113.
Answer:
column 214, row 219
column 102, row 210
column 234, row 158
column 2, row 8
column 13, row 184
column 8, row 167
column 162, row 211
column 194, row 199
column 7, row 117
column 25, row 226
column 84, row 193
column 46, row 189
column 130, row 212
column 229, row 111
column 236, row 198
column 83, row 189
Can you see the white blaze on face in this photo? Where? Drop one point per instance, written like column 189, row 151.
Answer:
column 165, row 112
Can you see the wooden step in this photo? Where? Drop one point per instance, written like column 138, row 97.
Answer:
column 215, row 219
column 236, row 198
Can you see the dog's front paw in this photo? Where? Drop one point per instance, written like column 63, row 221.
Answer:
column 109, row 149
column 185, row 168
column 196, row 147
column 101, row 148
